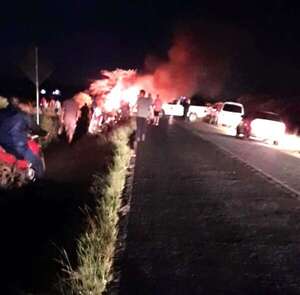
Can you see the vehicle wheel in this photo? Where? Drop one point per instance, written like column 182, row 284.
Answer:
column 276, row 142
column 193, row 117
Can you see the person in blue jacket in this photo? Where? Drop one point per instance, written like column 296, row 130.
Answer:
column 16, row 124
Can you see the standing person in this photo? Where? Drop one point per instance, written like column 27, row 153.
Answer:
column 69, row 115
column 186, row 104
column 150, row 119
column 157, row 109
column 51, row 105
column 57, row 107
column 82, row 122
column 44, row 104
column 97, row 116
column 143, row 113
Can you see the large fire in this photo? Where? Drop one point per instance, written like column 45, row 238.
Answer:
column 190, row 67
column 117, row 87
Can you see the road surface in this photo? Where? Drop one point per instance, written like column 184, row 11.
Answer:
column 204, row 222
column 275, row 163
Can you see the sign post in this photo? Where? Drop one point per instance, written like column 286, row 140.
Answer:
column 37, row 85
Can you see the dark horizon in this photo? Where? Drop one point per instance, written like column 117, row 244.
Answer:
column 77, row 39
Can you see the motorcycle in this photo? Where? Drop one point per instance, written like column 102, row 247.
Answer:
column 15, row 172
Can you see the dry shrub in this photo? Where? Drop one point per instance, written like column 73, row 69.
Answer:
column 49, row 123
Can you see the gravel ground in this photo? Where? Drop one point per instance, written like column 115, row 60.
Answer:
column 202, row 222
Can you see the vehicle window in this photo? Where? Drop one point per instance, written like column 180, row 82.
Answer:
column 232, row 108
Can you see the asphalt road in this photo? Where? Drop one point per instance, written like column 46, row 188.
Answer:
column 204, row 222
column 274, row 162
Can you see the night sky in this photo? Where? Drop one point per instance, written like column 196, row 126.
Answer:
column 79, row 38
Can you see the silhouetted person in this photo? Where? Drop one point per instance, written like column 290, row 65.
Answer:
column 157, row 105
column 144, row 105
column 83, row 122
column 69, row 115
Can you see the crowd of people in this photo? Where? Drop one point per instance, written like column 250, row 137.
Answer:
column 50, row 105
column 79, row 114
column 88, row 115
column 148, row 111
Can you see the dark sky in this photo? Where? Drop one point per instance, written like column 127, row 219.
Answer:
column 81, row 37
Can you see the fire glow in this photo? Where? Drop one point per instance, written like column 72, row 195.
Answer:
column 119, row 86
column 116, row 87
column 183, row 73
column 290, row 142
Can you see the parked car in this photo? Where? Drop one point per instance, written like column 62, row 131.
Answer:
column 266, row 126
column 197, row 111
column 230, row 114
column 173, row 109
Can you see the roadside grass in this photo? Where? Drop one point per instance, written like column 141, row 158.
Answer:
column 96, row 246
column 49, row 123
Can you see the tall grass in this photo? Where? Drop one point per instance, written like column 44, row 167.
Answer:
column 96, row 247
column 49, row 123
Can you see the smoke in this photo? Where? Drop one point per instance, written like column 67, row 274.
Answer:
column 181, row 74
column 195, row 63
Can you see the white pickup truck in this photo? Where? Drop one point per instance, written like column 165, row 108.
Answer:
column 197, row 112
column 173, row 109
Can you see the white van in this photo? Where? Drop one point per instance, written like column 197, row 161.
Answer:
column 230, row 114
